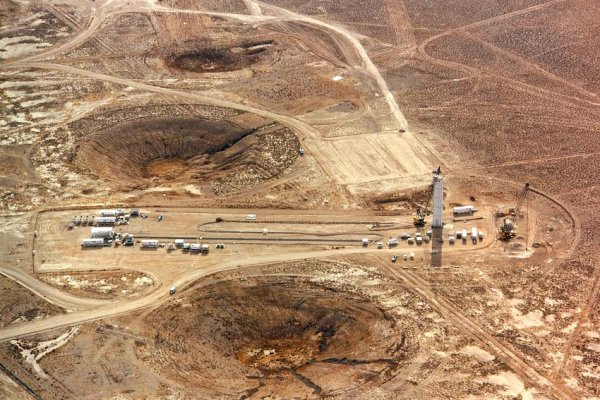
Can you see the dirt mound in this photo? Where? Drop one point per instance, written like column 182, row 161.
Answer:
column 276, row 331
column 219, row 58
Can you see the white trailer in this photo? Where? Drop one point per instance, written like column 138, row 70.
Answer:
column 179, row 243
column 204, row 248
column 149, row 243
column 108, row 213
column 464, row 209
column 92, row 243
column 105, row 220
column 102, row 232
column 195, row 247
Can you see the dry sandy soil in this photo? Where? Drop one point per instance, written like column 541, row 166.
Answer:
column 325, row 120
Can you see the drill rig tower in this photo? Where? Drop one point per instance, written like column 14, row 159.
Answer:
column 438, row 198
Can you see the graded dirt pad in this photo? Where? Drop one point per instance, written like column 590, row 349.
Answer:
column 24, row 305
column 101, row 285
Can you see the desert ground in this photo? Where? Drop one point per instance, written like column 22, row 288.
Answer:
column 292, row 142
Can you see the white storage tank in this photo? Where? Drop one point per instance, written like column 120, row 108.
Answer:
column 92, row 243
column 102, row 232
column 105, row 220
column 464, row 210
column 149, row 243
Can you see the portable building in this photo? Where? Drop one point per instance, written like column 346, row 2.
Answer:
column 105, row 220
column 108, row 213
column 149, row 243
column 464, row 209
column 102, row 232
column 92, row 243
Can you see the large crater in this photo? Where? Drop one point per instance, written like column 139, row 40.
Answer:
column 162, row 149
column 279, row 336
column 220, row 57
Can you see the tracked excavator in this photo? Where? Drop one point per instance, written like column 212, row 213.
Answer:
column 508, row 226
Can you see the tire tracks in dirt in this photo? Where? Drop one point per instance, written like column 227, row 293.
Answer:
column 470, row 327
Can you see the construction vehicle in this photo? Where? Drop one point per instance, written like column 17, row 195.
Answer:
column 419, row 217
column 509, row 226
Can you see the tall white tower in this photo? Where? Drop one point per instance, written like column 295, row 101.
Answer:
column 438, row 198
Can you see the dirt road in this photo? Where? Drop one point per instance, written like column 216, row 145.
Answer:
column 116, row 308
column 50, row 293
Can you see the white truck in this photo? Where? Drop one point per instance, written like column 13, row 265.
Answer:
column 418, row 238
column 149, row 243
column 97, row 242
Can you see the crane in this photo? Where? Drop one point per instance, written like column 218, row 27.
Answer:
column 422, row 212
column 508, row 227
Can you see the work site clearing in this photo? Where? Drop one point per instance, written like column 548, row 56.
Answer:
column 285, row 199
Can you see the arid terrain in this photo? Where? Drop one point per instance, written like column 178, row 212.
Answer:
column 288, row 144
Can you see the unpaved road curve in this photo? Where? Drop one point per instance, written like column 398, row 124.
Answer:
column 368, row 65
column 50, row 293
column 157, row 296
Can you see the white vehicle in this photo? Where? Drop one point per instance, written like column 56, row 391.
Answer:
column 108, row 213
column 480, row 235
column 204, row 248
column 464, row 234
column 451, row 239
column 149, row 243
column 179, row 243
column 195, row 247
column 419, row 238
column 412, row 256
column 474, row 232
column 464, row 210
column 426, row 239
column 172, row 291
column 392, row 242
column 92, row 243
column 380, row 245
column 105, row 221
column 365, row 242
column 251, row 217
column 410, row 240
column 102, row 232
